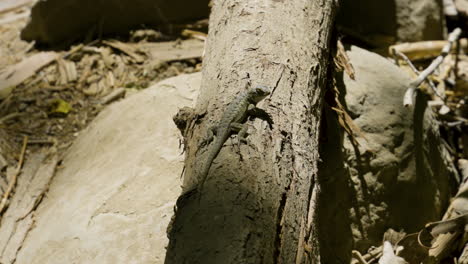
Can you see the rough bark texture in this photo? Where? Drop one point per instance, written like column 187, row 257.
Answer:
column 258, row 206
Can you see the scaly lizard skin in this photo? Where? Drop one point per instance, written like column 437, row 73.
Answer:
column 234, row 116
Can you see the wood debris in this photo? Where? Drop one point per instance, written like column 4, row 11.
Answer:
column 408, row 98
column 342, row 61
column 114, row 95
column 389, row 256
column 12, row 5
column 32, row 185
column 12, row 181
column 450, row 230
column 426, row 49
column 174, row 50
column 16, row 74
column 126, row 48
column 148, row 35
column 67, row 71
column 188, row 33
column 446, row 79
column 85, row 77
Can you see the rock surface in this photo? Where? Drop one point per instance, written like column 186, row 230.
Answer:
column 401, row 175
column 462, row 7
column 55, row 21
column 388, row 21
column 113, row 197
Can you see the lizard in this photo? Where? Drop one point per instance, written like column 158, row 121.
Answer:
column 232, row 120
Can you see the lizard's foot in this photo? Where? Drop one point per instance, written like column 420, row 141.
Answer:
column 241, row 140
column 242, row 134
column 208, row 138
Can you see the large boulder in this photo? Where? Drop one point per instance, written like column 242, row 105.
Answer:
column 395, row 174
column 114, row 195
column 56, row 21
column 401, row 174
column 384, row 22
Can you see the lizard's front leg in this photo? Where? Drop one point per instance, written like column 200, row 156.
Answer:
column 260, row 114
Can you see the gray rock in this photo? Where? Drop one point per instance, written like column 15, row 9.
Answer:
column 114, row 195
column 402, row 175
column 462, row 7
column 419, row 20
column 55, row 21
column 387, row 21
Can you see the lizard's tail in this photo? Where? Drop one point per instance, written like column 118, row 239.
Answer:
column 206, row 167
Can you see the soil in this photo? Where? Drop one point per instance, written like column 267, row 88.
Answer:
column 50, row 109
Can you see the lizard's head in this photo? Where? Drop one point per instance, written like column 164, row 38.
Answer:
column 258, row 93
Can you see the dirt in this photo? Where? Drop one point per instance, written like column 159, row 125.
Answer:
column 55, row 104
column 36, row 107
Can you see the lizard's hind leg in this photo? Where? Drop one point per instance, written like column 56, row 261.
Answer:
column 210, row 134
column 241, row 130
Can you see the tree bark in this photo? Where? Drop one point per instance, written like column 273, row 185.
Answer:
column 258, row 205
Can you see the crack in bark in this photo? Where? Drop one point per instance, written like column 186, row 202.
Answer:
column 309, row 198
column 283, row 67
column 279, row 224
column 246, row 245
column 279, row 228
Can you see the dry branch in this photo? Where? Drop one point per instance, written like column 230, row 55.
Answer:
column 416, row 71
column 425, row 49
column 12, row 182
column 125, row 48
column 443, row 243
column 408, row 97
column 16, row 74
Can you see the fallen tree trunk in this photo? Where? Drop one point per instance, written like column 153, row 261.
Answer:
column 257, row 206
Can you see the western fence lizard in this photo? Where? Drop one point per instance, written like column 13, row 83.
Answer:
column 233, row 119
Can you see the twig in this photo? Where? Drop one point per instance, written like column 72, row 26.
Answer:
column 408, row 98
column 9, row 117
column 78, row 48
column 194, row 34
column 52, row 141
column 424, row 50
column 12, row 182
column 359, row 257
column 112, row 96
column 444, row 109
column 369, row 257
column 411, row 65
